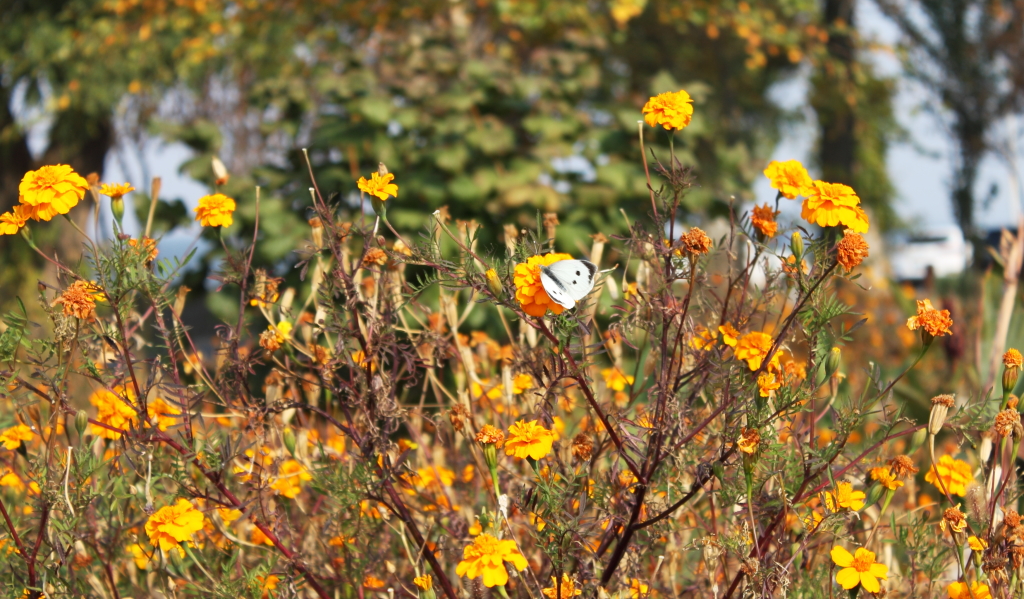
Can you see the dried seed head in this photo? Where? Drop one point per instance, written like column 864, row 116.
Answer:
column 940, row 407
column 582, row 447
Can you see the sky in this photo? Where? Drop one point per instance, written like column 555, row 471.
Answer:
column 919, row 168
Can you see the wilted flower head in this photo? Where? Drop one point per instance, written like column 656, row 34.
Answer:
column 696, row 241
column 79, row 300
column 1005, row 423
column 671, row 110
column 749, row 441
column 566, row 589
column 902, row 466
column 582, row 447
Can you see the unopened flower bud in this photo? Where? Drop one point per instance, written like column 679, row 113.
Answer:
column 317, row 227
column 117, row 207
column 494, row 283
column 940, row 407
column 288, row 437
column 1012, row 361
column 179, row 300
column 797, row 246
column 81, row 421
column 832, row 362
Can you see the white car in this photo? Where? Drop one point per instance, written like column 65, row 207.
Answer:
column 943, row 249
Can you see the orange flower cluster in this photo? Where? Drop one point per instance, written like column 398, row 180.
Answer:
column 935, row 322
column 851, row 250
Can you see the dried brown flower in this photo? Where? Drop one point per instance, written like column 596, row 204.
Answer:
column 1005, row 422
column 375, row 256
column 269, row 340
column 582, row 447
column 902, row 466
column 696, row 241
column 79, row 300
column 749, row 441
column 457, row 415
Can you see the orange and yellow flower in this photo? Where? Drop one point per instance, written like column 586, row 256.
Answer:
column 671, row 110
column 485, row 558
column 52, row 190
column 379, row 186
column 12, row 222
column 833, row 204
column 844, row 497
column 790, row 178
column 113, row 409
column 935, row 322
column 615, row 379
column 116, row 190
column 290, row 476
column 172, row 525
column 530, row 291
column 754, row 348
column 978, row 590
column 529, row 440
column 763, row 218
column 12, row 437
column 215, row 210
column 566, row 589
column 955, row 475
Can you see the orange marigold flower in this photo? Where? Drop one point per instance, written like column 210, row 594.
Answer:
column 1005, row 422
column 485, row 558
column 763, row 218
column 935, row 322
column 379, row 186
column 767, row 383
column 566, row 589
column 113, row 409
column 637, row 589
column 844, row 497
column 372, row 582
column 954, row 475
column 858, row 569
column 851, row 250
column 529, row 291
column 375, row 256
column 290, row 476
column 730, row 336
column 172, row 525
column 161, row 413
column 832, row 204
column 1013, row 359
column 749, row 441
column 11, row 222
column 79, row 300
column 52, row 190
column 705, row 339
column 977, row 544
column 148, row 245
column 12, row 437
column 424, row 583
column 886, row 478
column 953, row 520
column 790, row 178
column 529, row 440
column 116, row 190
column 215, row 210
column 521, row 383
column 267, row 584
column 978, row 590
column 490, row 435
column 902, row 466
column 754, row 348
column 671, row 110
column 696, row 241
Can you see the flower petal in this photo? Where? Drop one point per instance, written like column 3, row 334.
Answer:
column 842, row 557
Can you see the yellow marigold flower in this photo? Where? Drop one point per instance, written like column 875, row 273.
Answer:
column 832, row 204
column 161, row 413
column 290, row 477
column 615, row 379
column 977, row 544
column 767, row 383
column 490, row 435
column 379, row 186
column 859, row 569
column 485, row 388
column 754, row 348
column 521, row 383
column 215, row 210
column 885, row 476
column 79, row 300
column 113, row 409
column 851, row 250
column 424, row 583
column 484, row 559
column 229, row 515
column 935, row 322
column 12, row 437
column 790, row 178
column 140, row 555
column 979, row 590
column 52, row 190
column 844, row 497
column 173, row 524
column 763, row 218
column 12, row 480
column 637, row 589
column 954, row 474
column 730, row 336
column 12, row 222
column 704, row 340
column 116, row 190
column 372, row 582
column 562, row 590
column 696, row 241
column 529, row 290
column 671, row 110
column 749, row 441
column 258, row 538
column 1013, row 359
column 529, row 440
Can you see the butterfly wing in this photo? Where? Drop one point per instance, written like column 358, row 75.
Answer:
column 568, row 281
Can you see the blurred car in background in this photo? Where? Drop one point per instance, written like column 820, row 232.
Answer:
column 942, row 249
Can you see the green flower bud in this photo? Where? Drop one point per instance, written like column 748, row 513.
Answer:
column 797, row 246
column 81, row 421
column 288, row 436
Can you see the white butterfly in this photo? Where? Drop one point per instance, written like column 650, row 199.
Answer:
column 568, row 281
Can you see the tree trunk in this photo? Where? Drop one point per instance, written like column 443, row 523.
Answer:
column 834, row 88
